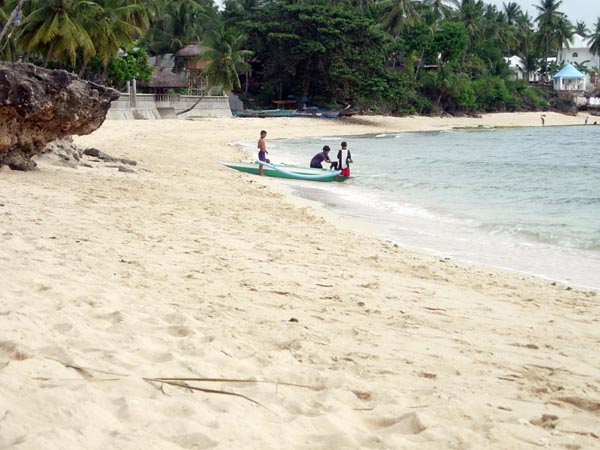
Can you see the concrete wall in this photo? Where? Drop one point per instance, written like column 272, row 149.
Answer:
column 208, row 106
column 155, row 107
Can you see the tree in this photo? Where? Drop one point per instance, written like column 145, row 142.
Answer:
column 581, row 28
column 326, row 51
column 397, row 14
column 547, row 20
column 178, row 23
column 131, row 63
column 471, row 14
column 595, row 39
column 582, row 66
column 563, row 32
column 110, row 28
column 226, row 57
column 531, row 64
column 55, row 29
column 450, row 42
column 513, row 13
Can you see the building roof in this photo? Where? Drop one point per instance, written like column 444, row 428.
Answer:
column 190, row 50
column 569, row 71
column 578, row 41
column 515, row 62
column 164, row 78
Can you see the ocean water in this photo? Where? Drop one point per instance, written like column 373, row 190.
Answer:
column 526, row 199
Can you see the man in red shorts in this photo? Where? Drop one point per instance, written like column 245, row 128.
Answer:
column 344, row 159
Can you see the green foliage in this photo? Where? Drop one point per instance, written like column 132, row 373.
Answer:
column 225, row 57
column 177, row 23
column 397, row 56
column 317, row 50
column 133, row 63
column 491, row 94
column 402, row 96
column 450, row 41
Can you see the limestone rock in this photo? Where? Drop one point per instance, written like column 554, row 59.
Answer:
column 38, row 106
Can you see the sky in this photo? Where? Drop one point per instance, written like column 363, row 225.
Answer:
column 576, row 10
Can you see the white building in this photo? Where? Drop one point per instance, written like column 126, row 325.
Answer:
column 579, row 53
column 516, row 64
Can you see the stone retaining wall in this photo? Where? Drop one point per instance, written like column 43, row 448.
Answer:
column 155, row 107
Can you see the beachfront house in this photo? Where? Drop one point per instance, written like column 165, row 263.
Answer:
column 569, row 79
column 193, row 68
column 579, row 55
column 176, row 85
column 517, row 66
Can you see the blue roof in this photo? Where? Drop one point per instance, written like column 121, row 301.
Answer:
column 569, row 71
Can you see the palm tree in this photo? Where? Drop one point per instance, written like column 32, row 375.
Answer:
column 433, row 11
column 582, row 66
column 581, row 28
column 239, row 9
column 595, row 75
column 531, row 63
column 563, row 32
column 513, row 13
column 397, row 14
column 226, row 59
column 111, row 27
column 507, row 33
column 177, row 24
column 55, row 28
column 595, row 39
column 472, row 14
column 547, row 19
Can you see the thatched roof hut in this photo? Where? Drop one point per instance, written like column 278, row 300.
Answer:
column 163, row 78
column 189, row 51
column 189, row 54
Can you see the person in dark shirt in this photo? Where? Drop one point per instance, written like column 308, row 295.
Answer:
column 317, row 161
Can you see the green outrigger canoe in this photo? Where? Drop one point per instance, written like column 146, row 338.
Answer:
column 285, row 171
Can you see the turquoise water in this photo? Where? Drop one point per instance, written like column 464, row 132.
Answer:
column 526, row 199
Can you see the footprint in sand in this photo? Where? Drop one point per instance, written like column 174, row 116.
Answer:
column 194, row 441
column 157, row 357
column 62, row 327
column 407, row 424
column 179, row 331
column 9, row 351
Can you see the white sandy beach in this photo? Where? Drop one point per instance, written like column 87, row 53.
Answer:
column 188, row 269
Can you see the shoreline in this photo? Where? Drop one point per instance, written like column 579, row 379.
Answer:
column 187, row 269
column 528, row 256
column 367, row 217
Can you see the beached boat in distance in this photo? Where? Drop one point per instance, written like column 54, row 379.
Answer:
column 284, row 171
column 317, row 112
column 265, row 113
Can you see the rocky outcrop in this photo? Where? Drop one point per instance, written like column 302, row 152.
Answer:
column 38, row 106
